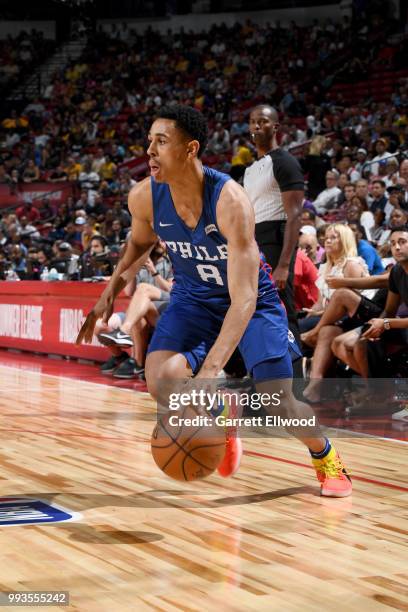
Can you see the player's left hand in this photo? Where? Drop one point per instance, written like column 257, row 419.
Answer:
column 280, row 275
column 375, row 331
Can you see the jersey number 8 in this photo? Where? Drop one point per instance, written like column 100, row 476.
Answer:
column 209, row 274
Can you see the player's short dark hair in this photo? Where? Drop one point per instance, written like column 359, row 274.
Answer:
column 189, row 120
column 399, row 228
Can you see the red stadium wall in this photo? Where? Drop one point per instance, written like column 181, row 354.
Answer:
column 46, row 317
column 57, row 192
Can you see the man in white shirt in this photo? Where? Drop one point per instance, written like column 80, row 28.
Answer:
column 327, row 198
column 382, row 153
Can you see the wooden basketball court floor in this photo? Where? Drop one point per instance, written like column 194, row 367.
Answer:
column 263, row 540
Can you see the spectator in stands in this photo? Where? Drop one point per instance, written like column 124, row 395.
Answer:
column 31, row 172
column 349, row 191
column 240, row 127
column 96, row 261
column 316, row 164
column 342, row 260
column 308, row 243
column 305, row 276
column 345, row 166
column 357, row 211
column 390, row 332
column 362, row 191
column 120, row 212
column 73, row 235
column 5, row 178
column 47, row 210
column 66, row 262
column 327, row 199
column 366, row 250
column 28, row 210
column 396, row 196
column 87, row 233
column 18, row 261
column 151, row 297
column 379, row 229
column 381, row 154
column 380, row 200
column 27, row 229
column 57, row 175
column 117, row 234
column 88, row 179
column 361, row 161
column 220, row 140
column 108, row 169
column 72, row 168
column 308, row 218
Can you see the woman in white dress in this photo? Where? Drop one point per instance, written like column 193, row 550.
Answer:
column 341, row 260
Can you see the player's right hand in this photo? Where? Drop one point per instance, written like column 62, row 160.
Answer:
column 102, row 309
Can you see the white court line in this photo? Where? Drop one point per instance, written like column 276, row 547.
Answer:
column 349, row 432
column 357, row 434
column 86, row 382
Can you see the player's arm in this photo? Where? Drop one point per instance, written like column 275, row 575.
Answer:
column 136, row 252
column 379, row 281
column 289, row 177
column 235, row 218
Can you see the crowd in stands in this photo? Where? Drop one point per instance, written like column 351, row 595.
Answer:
column 93, row 118
column 20, row 55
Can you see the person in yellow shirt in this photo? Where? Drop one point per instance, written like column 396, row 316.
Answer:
column 72, row 168
column 108, row 169
column 243, row 155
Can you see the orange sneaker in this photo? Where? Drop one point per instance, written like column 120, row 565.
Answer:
column 232, row 458
column 233, row 444
column 332, row 475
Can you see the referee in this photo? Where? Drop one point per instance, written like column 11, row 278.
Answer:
column 275, row 186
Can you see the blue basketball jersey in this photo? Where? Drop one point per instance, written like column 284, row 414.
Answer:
column 199, row 256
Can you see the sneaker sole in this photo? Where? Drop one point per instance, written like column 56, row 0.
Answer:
column 335, row 493
column 107, row 341
column 125, row 375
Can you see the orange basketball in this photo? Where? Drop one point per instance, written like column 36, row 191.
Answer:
column 187, row 450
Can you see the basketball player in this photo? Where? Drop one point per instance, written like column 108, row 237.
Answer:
column 222, row 298
column 275, row 186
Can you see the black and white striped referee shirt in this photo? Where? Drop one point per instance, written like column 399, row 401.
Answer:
column 266, row 179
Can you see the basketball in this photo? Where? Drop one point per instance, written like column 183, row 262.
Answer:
column 187, row 446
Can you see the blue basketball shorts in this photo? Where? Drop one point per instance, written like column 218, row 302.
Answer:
column 191, row 328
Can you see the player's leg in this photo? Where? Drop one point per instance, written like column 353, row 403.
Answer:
column 267, row 353
column 162, row 370
column 272, row 377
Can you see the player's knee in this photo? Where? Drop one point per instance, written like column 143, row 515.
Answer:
column 151, row 382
